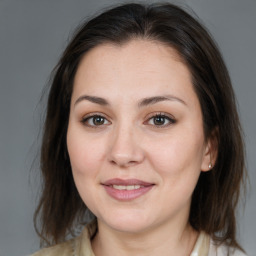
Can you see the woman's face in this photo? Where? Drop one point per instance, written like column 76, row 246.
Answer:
column 135, row 136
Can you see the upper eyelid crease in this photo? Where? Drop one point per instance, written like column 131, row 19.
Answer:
column 91, row 115
column 86, row 118
column 169, row 117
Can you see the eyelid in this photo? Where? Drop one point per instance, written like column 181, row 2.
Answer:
column 170, row 117
column 86, row 117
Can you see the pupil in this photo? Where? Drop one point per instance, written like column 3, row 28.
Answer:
column 98, row 120
column 159, row 120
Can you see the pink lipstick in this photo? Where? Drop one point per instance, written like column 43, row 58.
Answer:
column 126, row 190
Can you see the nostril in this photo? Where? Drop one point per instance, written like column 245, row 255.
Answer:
column 123, row 163
column 113, row 162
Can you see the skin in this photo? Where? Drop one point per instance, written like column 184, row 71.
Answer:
column 127, row 142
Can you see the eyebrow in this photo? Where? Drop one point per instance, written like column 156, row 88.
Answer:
column 153, row 100
column 143, row 103
column 93, row 99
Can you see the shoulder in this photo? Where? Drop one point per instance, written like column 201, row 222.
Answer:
column 223, row 250
column 80, row 245
column 63, row 249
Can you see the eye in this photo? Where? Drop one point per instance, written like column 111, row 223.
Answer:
column 161, row 120
column 95, row 120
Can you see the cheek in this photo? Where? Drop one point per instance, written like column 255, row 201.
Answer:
column 176, row 154
column 177, row 162
column 85, row 154
column 86, row 160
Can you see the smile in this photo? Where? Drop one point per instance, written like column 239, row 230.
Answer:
column 126, row 190
column 129, row 187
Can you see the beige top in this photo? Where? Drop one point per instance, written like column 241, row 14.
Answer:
column 81, row 246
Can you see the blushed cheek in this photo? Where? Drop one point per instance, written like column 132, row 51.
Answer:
column 84, row 157
column 177, row 156
column 167, row 157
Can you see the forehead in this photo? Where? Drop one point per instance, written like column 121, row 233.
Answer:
column 139, row 67
column 136, row 51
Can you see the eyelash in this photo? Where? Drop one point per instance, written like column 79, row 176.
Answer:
column 166, row 117
column 85, row 120
column 91, row 117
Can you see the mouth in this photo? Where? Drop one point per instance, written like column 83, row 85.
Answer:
column 126, row 190
column 129, row 187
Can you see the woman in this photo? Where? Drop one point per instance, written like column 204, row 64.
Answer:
column 142, row 131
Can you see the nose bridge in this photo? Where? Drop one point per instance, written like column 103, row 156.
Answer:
column 124, row 148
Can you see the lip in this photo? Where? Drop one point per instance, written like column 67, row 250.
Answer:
column 126, row 195
column 126, row 182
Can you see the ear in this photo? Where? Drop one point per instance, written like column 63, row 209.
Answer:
column 211, row 151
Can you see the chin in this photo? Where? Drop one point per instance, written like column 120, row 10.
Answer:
column 129, row 223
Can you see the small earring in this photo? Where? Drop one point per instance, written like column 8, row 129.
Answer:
column 210, row 165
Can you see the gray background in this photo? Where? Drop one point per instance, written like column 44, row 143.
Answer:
column 32, row 36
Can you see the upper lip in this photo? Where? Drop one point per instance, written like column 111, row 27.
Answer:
column 126, row 182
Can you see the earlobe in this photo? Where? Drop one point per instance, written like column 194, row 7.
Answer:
column 211, row 152
column 207, row 162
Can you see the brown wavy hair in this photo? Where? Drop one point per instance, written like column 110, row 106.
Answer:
column 216, row 195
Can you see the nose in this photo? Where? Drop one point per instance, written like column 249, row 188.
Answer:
column 125, row 149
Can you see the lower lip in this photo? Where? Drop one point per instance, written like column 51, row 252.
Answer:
column 127, row 195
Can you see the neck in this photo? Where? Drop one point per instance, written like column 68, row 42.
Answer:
column 166, row 239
